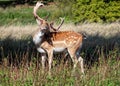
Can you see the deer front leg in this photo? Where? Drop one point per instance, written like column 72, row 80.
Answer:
column 43, row 55
column 50, row 59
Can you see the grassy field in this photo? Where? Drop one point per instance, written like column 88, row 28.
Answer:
column 20, row 62
column 23, row 14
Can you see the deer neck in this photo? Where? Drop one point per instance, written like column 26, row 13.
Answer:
column 37, row 38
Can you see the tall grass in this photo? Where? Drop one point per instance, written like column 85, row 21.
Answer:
column 20, row 63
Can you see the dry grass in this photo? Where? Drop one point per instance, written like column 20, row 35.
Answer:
column 17, row 32
column 105, row 30
column 94, row 28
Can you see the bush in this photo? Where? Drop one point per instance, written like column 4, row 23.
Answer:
column 96, row 11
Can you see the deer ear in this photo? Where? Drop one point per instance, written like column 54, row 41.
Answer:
column 39, row 22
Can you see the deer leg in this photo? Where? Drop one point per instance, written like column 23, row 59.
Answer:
column 80, row 59
column 74, row 59
column 43, row 61
column 50, row 58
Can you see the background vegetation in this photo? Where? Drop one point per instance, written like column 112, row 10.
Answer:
column 77, row 11
column 96, row 10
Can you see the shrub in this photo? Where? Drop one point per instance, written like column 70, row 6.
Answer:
column 96, row 11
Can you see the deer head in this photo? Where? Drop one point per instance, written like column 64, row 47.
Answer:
column 43, row 22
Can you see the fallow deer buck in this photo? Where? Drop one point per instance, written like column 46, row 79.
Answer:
column 48, row 42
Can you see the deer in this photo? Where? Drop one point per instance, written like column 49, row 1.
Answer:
column 49, row 42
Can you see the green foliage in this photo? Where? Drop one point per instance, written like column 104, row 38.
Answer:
column 96, row 11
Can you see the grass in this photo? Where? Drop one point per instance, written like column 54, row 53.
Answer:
column 20, row 15
column 23, row 14
column 106, row 74
column 20, row 62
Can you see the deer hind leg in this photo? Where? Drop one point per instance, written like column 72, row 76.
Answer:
column 73, row 57
column 76, row 58
column 80, row 59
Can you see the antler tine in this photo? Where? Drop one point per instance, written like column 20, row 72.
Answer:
column 47, row 16
column 62, row 21
column 38, row 4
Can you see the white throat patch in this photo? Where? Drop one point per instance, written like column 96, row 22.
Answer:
column 38, row 37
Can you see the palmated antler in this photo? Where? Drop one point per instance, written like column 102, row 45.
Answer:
column 38, row 4
column 51, row 25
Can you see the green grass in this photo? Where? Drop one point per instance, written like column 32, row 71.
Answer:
column 24, row 15
column 16, row 16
